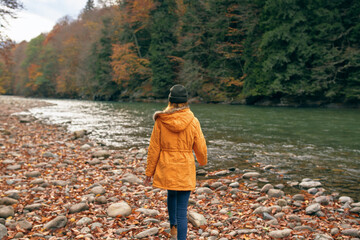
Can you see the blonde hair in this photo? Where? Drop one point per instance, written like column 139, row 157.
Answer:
column 172, row 106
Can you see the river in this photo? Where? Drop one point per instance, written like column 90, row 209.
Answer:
column 315, row 143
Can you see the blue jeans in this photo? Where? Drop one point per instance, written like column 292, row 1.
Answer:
column 177, row 202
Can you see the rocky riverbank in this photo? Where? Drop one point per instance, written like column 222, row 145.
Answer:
column 59, row 185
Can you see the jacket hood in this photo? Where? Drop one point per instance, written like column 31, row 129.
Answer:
column 176, row 120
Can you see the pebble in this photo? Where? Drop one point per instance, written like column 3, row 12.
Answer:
column 95, row 225
column 313, row 208
column 78, row 208
column 148, row 212
column 13, row 194
column 196, row 219
column 310, row 184
column 13, row 167
column 266, row 188
column 24, row 224
column 101, row 200
column 234, row 185
column 32, row 207
column 202, row 190
column 131, row 178
column 119, row 209
column 280, row 233
column 8, row 201
column 147, row 233
column 249, row 175
column 58, row 222
column 6, row 211
column 84, row 221
column 99, row 190
column 32, row 174
column 275, row 193
column 351, row 232
column 3, row 231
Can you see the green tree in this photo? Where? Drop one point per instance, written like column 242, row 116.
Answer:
column 162, row 45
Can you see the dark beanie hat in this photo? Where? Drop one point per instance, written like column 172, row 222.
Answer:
column 178, row 94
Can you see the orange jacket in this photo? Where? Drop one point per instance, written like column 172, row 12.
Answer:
column 170, row 158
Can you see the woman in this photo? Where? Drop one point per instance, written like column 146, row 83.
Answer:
column 170, row 159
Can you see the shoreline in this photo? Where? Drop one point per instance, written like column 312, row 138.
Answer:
column 59, row 184
column 262, row 103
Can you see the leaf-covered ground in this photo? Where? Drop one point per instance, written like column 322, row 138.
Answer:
column 47, row 172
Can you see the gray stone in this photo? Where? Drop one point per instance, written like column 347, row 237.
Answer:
column 251, row 175
column 58, row 222
column 61, row 183
column 3, row 231
column 322, row 237
column 99, row 190
column 19, row 235
column 275, row 193
column 262, row 199
column 32, row 174
column 13, row 194
column 32, row 207
column 293, row 217
column 267, row 216
column 313, row 208
column 303, row 228
column 351, row 232
column 95, row 225
column 8, row 201
column 334, row 231
column 345, row 199
column 6, row 211
column 246, row 231
column 280, row 233
column 101, row 153
column 202, row 190
column 78, row 208
column 147, row 233
column 234, row 185
column 85, row 230
column 101, row 200
column 148, row 212
column 282, row 202
column 279, row 215
column 151, row 220
column 299, row 197
column 355, row 210
column 266, row 188
column 313, row 191
column 37, row 181
column 323, row 200
column 24, row 224
column 79, row 133
column 49, row 155
column 222, row 173
column 215, row 185
column 85, row 147
column 196, row 219
column 13, row 167
column 310, row 184
column 119, row 209
column 84, row 221
column 131, row 178
column 261, row 210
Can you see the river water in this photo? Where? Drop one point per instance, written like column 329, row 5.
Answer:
column 315, row 143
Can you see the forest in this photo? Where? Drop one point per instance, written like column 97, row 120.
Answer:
column 264, row 52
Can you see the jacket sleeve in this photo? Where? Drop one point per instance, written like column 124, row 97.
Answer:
column 199, row 147
column 154, row 151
